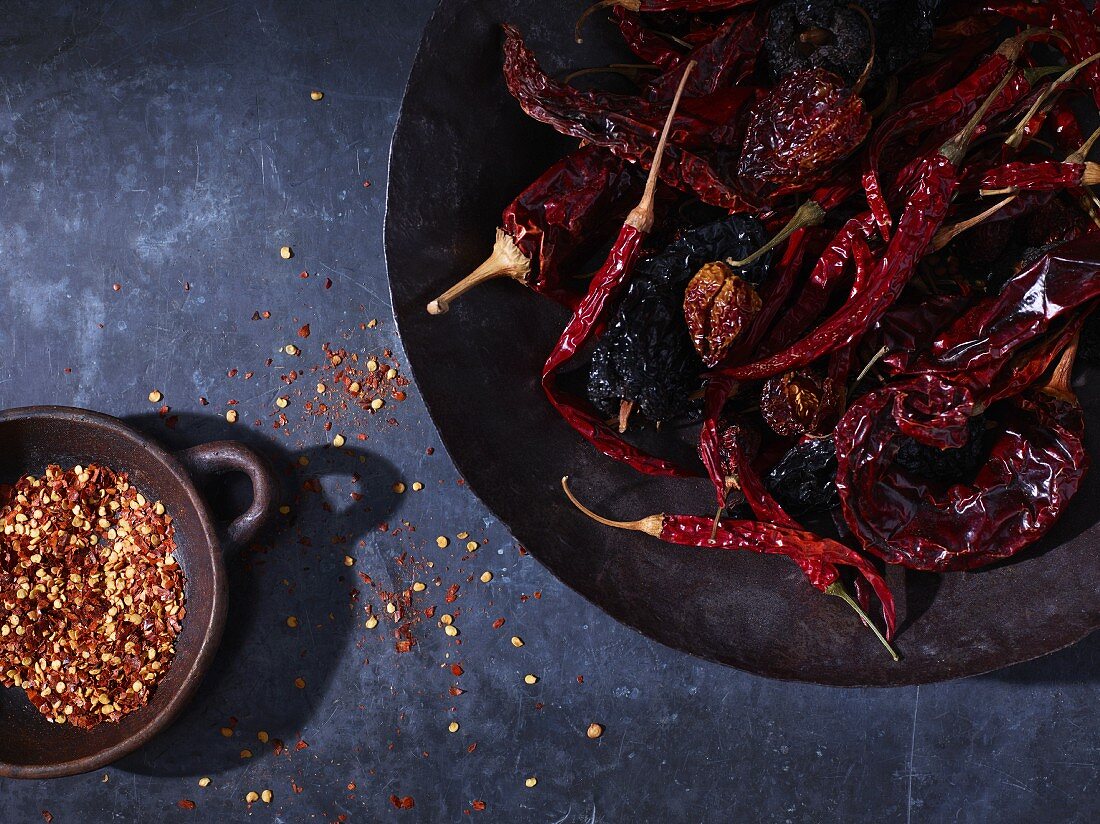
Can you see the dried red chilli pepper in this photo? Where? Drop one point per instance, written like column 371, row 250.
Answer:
column 800, row 402
column 799, row 133
column 554, row 222
column 627, row 126
column 1033, row 469
column 590, row 316
column 802, row 129
column 653, row 6
column 1038, row 176
column 766, row 508
column 718, row 306
column 827, row 274
column 724, row 60
column 923, row 215
column 1023, row 11
column 817, row 557
column 1063, row 279
column 947, row 108
column 645, row 43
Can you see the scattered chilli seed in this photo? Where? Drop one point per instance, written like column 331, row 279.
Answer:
column 266, row 796
column 462, row 536
column 371, row 622
column 530, row 679
column 155, row 396
column 285, row 252
column 517, row 641
column 372, row 365
column 338, row 441
column 530, row 782
column 284, row 510
column 321, row 388
column 300, row 683
column 391, row 608
column 246, row 753
column 292, row 622
column 442, row 542
column 204, row 782
column 291, row 349
column 349, row 561
column 419, row 586
column 486, row 577
column 281, row 402
column 399, row 488
column 227, row 732
column 231, row 416
column 595, row 730
column 252, row 797
column 450, row 630
column 446, row 619
column 316, row 95
column 472, row 546
column 377, row 403
column 452, row 727
column 391, row 374
column 417, row 486
column 91, row 594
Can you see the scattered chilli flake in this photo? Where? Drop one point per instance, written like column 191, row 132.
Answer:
column 402, row 802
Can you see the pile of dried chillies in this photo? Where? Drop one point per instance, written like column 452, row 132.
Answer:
column 888, row 379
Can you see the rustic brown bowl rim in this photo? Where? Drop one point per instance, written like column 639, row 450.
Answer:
column 211, row 633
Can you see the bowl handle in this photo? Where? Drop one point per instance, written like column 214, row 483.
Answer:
column 230, row 456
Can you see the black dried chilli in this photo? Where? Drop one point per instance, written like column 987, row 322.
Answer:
column 934, row 464
column 646, row 355
column 832, row 35
column 804, row 480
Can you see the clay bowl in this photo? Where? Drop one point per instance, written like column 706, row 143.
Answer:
column 461, row 152
column 31, row 438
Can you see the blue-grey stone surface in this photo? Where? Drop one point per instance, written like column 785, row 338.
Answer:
column 172, row 148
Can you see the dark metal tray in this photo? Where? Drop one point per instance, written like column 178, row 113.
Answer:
column 461, row 151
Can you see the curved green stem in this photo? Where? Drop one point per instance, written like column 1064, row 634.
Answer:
column 837, row 589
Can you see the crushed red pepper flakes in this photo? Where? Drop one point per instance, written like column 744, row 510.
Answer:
column 456, row 670
column 478, row 804
column 402, row 802
column 86, row 594
column 303, row 332
column 185, row 804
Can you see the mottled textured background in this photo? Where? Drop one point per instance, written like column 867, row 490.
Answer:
column 155, row 144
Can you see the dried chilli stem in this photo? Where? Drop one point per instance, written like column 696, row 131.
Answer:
column 641, row 218
column 507, row 260
column 650, row 525
column 837, row 589
column 809, row 213
column 949, row 233
column 1046, row 99
column 1060, row 384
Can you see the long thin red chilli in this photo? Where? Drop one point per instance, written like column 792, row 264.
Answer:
column 590, row 318
column 772, row 539
column 1072, row 19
